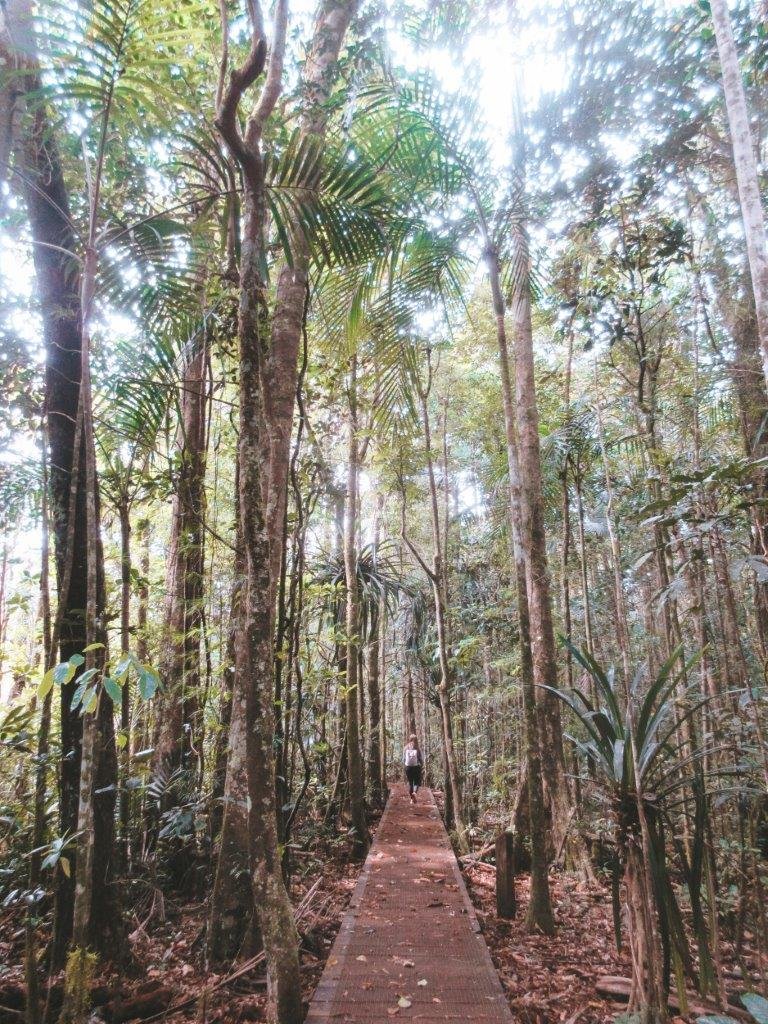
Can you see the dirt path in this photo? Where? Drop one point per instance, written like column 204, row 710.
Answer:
column 410, row 947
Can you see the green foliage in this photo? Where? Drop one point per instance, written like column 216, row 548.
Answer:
column 757, row 1005
column 91, row 680
column 627, row 737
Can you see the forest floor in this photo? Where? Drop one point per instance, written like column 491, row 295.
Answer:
column 167, row 956
column 546, row 980
column 551, row 980
column 556, row 980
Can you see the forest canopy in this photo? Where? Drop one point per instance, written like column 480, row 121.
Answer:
column 369, row 370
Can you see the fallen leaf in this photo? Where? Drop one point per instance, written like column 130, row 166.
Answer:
column 404, row 1002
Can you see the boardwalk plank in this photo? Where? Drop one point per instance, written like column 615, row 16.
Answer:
column 410, row 920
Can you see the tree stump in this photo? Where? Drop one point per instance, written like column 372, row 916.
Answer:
column 506, row 905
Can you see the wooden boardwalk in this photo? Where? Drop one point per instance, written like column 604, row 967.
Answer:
column 410, row 947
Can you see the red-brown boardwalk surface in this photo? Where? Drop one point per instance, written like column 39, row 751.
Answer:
column 410, row 947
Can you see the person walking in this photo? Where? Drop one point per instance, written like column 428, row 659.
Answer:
column 414, row 765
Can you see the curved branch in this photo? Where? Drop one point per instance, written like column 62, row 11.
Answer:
column 240, row 79
column 273, row 84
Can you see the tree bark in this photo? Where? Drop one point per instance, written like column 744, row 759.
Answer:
column 437, row 577
column 352, row 680
column 746, row 169
column 125, row 705
column 95, row 705
column 231, row 908
column 280, row 367
column 373, row 661
column 232, row 926
column 37, row 176
column 373, row 654
column 254, row 650
column 539, row 914
column 180, row 659
column 534, row 540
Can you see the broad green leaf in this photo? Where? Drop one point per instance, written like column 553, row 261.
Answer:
column 122, row 666
column 148, row 681
column 82, row 683
column 63, row 673
column 46, row 685
column 113, row 689
column 757, row 1006
column 77, row 696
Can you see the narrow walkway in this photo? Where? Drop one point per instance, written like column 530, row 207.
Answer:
column 410, row 947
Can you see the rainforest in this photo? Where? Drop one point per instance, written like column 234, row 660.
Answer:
column 383, row 511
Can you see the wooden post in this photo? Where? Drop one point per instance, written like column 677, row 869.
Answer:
column 505, row 875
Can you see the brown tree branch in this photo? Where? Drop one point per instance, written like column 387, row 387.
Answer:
column 429, row 573
column 273, row 84
column 240, row 79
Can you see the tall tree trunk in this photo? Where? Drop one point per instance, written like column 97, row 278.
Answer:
column 540, row 906
column 231, row 909
column 232, row 927
column 534, row 545
column 125, row 706
column 38, row 178
column 254, row 651
column 746, row 169
column 95, row 705
column 280, row 367
column 142, row 593
column 180, row 658
column 32, row 969
column 437, row 577
column 352, row 680
column 373, row 661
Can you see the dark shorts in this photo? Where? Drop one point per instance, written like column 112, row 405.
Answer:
column 413, row 774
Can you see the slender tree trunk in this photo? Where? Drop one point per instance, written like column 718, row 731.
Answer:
column 232, row 927
column 125, row 706
column 180, row 658
column 534, row 540
column 254, row 650
column 280, row 368
column 373, row 663
column 583, row 565
column 80, row 961
column 375, row 709
column 38, row 178
column 142, row 593
column 746, row 169
column 352, row 680
column 539, row 915
column 32, row 969
column 437, row 576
